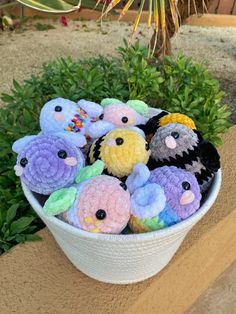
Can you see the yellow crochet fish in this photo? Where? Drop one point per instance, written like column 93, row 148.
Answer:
column 120, row 150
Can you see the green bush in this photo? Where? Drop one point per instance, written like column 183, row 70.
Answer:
column 190, row 88
column 175, row 85
column 144, row 81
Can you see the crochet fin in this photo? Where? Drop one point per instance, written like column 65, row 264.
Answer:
column 138, row 105
column 60, row 201
column 90, row 171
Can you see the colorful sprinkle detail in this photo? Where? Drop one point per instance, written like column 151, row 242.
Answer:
column 78, row 121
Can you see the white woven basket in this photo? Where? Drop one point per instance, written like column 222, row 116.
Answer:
column 122, row 259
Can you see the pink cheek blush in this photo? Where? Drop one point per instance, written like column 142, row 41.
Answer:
column 18, row 170
column 170, row 142
column 70, row 161
column 58, row 116
column 111, row 142
column 187, row 198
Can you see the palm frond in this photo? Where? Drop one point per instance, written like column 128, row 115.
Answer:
column 111, row 6
column 149, row 14
column 156, row 15
column 126, row 8
column 137, row 18
column 174, row 14
column 97, row 3
column 52, row 6
column 163, row 11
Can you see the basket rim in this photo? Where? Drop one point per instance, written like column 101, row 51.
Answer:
column 179, row 227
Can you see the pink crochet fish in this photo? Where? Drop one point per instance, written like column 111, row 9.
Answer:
column 100, row 204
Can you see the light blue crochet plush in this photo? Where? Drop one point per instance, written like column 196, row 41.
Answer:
column 161, row 197
column 68, row 118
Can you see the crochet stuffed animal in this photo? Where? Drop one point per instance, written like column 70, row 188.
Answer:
column 46, row 163
column 118, row 115
column 98, row 204
column 161, row 197
column 120, row 150
column 164, row 118
column 178, row 145
column 69, row 119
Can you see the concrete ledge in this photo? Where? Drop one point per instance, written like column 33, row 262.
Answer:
column 219, row 20
column 38, row 278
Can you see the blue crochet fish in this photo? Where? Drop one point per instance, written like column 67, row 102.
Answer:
column 69, row 119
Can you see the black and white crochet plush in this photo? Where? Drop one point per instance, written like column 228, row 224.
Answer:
column 177, row 145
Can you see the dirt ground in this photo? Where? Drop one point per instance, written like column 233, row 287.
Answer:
column 23, row 52
column 217, row 46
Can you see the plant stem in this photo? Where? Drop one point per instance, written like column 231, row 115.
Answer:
column 21, row 12
column 8, row 5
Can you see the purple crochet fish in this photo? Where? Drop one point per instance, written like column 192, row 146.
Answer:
column 46, row 163
column 181, row 189
column 161, row 197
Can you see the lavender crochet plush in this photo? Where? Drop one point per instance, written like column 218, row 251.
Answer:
column 46, row 163
column 175, row 182
column 162, row 197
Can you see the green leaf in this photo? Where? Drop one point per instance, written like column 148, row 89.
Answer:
column 27, row 237
column 20, row 225
column 52, row 6
column 11, row 213
column 33, row 237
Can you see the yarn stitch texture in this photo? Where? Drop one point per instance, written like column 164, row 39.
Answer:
column 45, row 172
column 120, row 157
column 182, row 198
column 100, row 193
column 188, row 153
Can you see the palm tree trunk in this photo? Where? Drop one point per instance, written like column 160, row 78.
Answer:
column 184, row 10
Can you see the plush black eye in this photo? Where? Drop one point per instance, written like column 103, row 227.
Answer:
column 147, row 146
column 23, row 162
column 58, row 108
column 174, row 134
column 123, row 185
column 119, row 141
column 62, row 154
column 101, row 214
column 186, row 185
column 101, row 116
column 124, row 119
